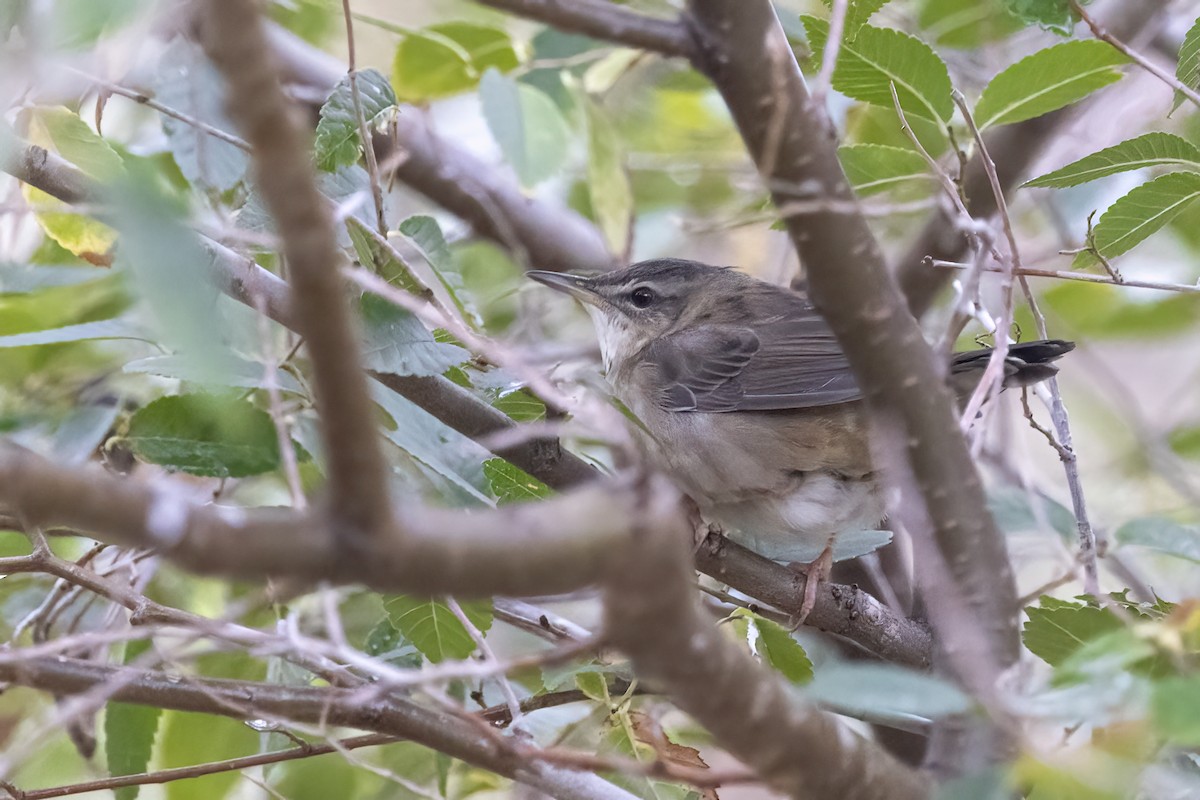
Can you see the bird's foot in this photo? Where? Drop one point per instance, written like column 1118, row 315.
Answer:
column 816, row 572
column 701, row 528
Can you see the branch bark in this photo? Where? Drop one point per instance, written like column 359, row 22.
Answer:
column 605, row 20
column 324, row 706
column 559, row 545
column 234, row 39
column 652, row 614
column 745, row 53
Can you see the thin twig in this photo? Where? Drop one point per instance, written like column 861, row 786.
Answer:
column 146, row 100
column 364, row 133
column 1085, row 277
column 1100, row 33
column 489, row 656
column 993, row 374
column 283, row 433
column 837, row 27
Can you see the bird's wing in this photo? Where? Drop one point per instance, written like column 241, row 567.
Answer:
column 788, row 360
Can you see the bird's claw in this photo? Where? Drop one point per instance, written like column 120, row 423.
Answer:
column 816, row 573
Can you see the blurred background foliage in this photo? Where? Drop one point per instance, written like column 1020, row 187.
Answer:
column 114, row 347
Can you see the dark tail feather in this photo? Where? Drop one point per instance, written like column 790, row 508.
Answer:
column 1027, row 363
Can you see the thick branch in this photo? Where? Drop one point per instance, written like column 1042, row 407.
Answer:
column 604, row 20
column 747, row 56
column 846, row 611
column 323, row 706
column 652, row 614
column 235, row 41
column 550, row 547
column 538, row 233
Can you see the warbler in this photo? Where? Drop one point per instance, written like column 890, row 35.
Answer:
column 750, row 403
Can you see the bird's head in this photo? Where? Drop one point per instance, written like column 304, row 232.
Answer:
column 634, row 306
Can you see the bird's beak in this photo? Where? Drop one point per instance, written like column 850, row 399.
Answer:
column 578, row 287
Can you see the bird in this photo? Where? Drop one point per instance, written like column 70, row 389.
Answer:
column 749, row 404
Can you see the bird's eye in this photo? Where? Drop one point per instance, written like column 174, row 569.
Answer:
column 641, row 297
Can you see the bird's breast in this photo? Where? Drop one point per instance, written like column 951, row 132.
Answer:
column 777, row 473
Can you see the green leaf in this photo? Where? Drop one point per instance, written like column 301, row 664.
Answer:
column 229, row 371
column 874, row 168
column 26, row 278
column 1105, row 311
column 338, row 143
column 1140, row 213
column 966, row 24
column 192, row 738
column 169, row 268
column 594, row 686
column 520, row 405
column 1162, row 535
column 1149, row 150
column 318, row 778
column 1048, row 80
column 1056, row 629
column 384, row 261
column 205, row 434
column 311, row 20
column 436, row 445
column 776, row 647
column 511, row 484
column 607, row 180
column 526, row 124
column 425, row 233
column 1055, row 15
column 447, row 59
column 395, row 341
column 858, row 12
column 187, row 81
column 1185, row 440
column 129, row 732
column 85, row 331
column 1018, row 511
column 432, row 627
column 79, row 23
column 1188, row 70
column 877, row 58
column 885, row 690
column 1175, row 707
column 62, row 131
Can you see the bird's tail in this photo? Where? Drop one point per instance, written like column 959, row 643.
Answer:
column 1027, row 363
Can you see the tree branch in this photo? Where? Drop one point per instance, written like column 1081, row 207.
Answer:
column 791, row 141
column 604, row 20
column 652, row 614
column 550, row 547
column 234, row 39
column 324, row 706
column 845, row 611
